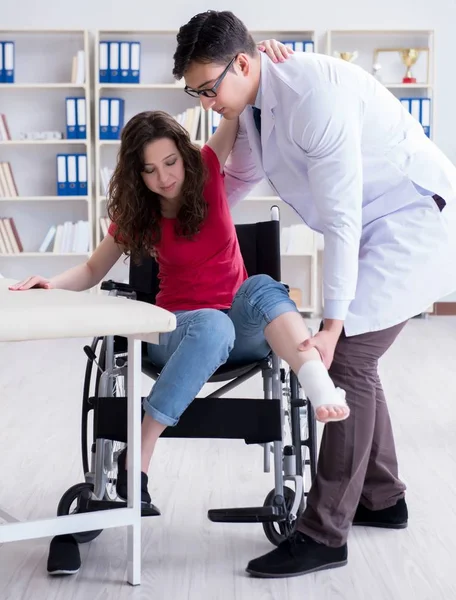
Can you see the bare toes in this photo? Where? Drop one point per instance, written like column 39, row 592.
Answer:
column 322, row 414
column 335, row 413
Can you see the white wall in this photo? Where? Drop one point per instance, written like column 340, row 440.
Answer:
column 439, row 15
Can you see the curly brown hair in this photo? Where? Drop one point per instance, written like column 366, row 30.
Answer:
column 132, row 206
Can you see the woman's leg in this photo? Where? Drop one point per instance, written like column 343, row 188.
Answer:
column 265, row 317
column 189, row 355
column 151, row 430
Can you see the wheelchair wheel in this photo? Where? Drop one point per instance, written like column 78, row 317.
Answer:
column 92, row 388
column 79, row 494
column 117, row 388
column 90, row 380
column 278, row 531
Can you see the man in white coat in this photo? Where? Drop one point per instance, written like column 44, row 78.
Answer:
column 340, row 149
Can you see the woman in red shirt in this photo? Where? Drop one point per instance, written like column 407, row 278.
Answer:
column 167, row 197
column 179, row 212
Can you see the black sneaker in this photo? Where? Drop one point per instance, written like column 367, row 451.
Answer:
column 394, row 517
column 64, row 557
column 122, row 486
column 298, row 555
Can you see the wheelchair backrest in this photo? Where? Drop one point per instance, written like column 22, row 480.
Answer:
column 260, row 248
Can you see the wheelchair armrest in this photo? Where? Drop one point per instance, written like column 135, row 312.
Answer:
column 111, row 285
column 122, row 289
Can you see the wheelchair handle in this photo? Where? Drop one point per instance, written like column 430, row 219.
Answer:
column 275, row 213
column 92, row 356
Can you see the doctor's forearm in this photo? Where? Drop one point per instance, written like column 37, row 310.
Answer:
column 340, row 271
column 333, row 325
column 237, row 188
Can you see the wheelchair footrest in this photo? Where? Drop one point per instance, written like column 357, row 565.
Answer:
column 255, row 514
column 147, row 510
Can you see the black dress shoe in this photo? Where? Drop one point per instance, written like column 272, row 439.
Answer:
column 394, row 517
column 298, row 555
column 64, row 557
column 122, row 486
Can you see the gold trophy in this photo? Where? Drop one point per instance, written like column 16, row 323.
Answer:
column 348, row 56
column 409, row 57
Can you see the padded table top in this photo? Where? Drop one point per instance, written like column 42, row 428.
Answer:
column 39, row 314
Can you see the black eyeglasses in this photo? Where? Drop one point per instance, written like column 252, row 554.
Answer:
column 210, row 92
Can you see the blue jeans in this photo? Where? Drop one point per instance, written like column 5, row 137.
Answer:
column 207, row 338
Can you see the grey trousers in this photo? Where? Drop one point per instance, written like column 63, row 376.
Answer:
column 357, row 460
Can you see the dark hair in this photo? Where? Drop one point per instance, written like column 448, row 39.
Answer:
column 132, row 206
column 211, row 37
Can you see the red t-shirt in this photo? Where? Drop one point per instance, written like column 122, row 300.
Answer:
column 207, row 271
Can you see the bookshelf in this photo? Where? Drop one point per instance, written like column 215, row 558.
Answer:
column 162, row 92
column 36, row 101
column 49, row 65
column 299, row 269
column 380, row 48
column 156, row 90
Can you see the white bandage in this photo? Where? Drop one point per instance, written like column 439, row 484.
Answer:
column 318, row 386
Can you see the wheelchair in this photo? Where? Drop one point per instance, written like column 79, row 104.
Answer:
column 282, row 422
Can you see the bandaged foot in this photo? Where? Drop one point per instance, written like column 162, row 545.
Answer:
column 327, row 401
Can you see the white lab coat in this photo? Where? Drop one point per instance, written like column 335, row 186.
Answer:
column 343, row 152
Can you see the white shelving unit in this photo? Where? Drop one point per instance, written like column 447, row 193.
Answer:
column 299, row 271
column 36, row 102
column 368, row 43
column 156, row 90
